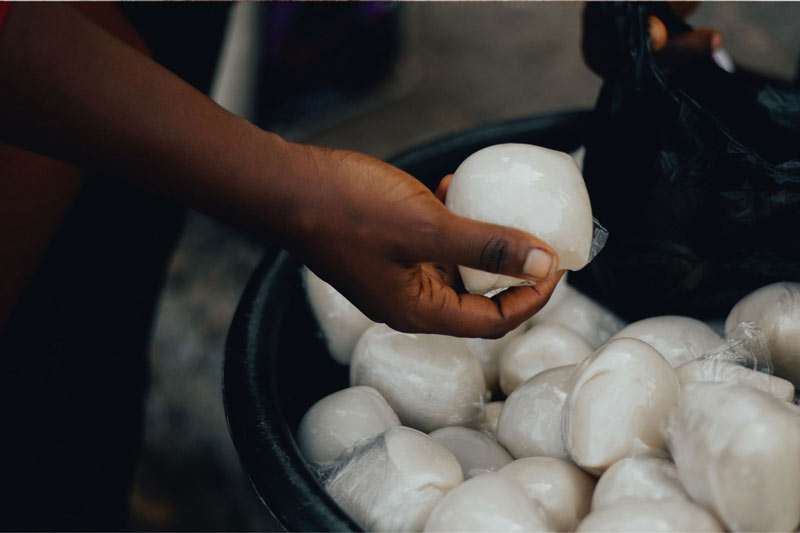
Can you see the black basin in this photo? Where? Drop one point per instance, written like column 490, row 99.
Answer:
column 276, row 365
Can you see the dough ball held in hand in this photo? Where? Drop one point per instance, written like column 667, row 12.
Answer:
column 530, row 188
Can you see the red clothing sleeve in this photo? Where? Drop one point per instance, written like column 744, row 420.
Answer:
column 4, row 7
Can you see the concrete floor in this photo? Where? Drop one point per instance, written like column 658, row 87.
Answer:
column 462, row 64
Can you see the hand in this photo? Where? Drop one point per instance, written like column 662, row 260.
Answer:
column 389, row 245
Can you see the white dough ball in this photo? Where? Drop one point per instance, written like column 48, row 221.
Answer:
column 489, row 424
column 531, row 188
column 776, row 310
column 677, row 338
column 490, row 503
column 431, row 381
column 584, row 316
column 737, row 453
column 667, row 516
column 563, row 490
column 342, row 419
column 650, row 478
column 714, row 370
column 394, row 481
column 618, row 399
column 530, row 422
column 541, row 348
column 476, row 452
column 560, row 292
column 340, row 321
column 488, row 352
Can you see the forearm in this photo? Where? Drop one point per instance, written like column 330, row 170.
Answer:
column 70, row 90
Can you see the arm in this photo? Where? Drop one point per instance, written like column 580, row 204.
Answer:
column 70, row 90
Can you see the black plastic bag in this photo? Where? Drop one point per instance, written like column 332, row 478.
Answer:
column 694, row 172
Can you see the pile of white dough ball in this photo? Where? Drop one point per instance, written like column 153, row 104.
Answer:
column 574, row 421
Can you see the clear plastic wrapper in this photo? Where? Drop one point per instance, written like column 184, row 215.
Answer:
column 678, row 338
column 776, row 310
column 617, row 401
column 431, row 381
column 563, row 490
column 341, row 420
column 477, row 453
column 544, row 346
column 340, row 322
column 530, row 422
column 489, row 502
column 736, row 451
column 635, row 516
column 531, row 188
column 644, row 477
column 393, row 482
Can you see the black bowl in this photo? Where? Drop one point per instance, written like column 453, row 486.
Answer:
column 277, row 366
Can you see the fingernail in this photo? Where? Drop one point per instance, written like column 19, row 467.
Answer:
column 539, row 264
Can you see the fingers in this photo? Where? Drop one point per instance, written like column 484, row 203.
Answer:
column 689, row 47
column 658, row 33
column 441, row 190
column 470, row 315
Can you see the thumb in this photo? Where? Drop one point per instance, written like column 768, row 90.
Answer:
column 688, row 47
column 493, row 248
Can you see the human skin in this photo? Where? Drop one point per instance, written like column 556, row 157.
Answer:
column 74, row 92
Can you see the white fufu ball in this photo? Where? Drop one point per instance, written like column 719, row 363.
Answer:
column 340, row 321
column 490, row 502
column 394, row 481
column 776, row 310
column 563, row 490
column 720, row 371
column 650, row 478
column 618, row 399
column 541, row 348
column 737, row 450
column 477, row 453
column 637, row 516
column 488, row 352
column 431, row 381
column 530, row 422
column 342, row 419
column 489, row 423
column 677, row 338
column 531, row 188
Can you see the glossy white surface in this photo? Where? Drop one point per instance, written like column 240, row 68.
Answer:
column 394, row 481
column 716, row 371
column 340, row 321
column 489, row 503
column 531, row 188
column 477, row 453
column 665, row 516
column 736, row 450
column 677, row 338
column 541, row 348
column 650, row 478
column 489, row 423
column 563, row 490
column 775, row 309
column 431, row 381
column 489, row 351
column 618, row 399
column 530, row 422
column 342, row 419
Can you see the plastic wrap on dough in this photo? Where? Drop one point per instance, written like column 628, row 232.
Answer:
column 340, row 322
column 341, row 420
column 488, row 352
column 717, row 371
column 617, row 401
column 562, row 489
column 650, row 478
column 531, row 188
column 736, row 450
column 431, row 381
column 489, row 503
column 678, row 338
column 530, row 422
column 667, row 516
column 583, row 315
column 776, row 310
column 476, row 452
column 544, row 346
column 392, row 482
